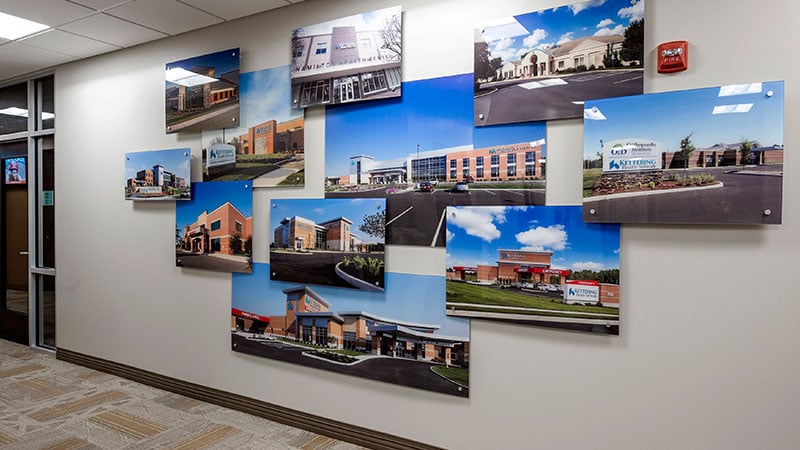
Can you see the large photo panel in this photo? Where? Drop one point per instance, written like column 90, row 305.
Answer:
column 711, row 155
column 401, row 336
column 350, row 59
column 543, row 65
column 269, row 146
column 537, row 265
column 202, row 92
column 422, row 153
column 333, row 241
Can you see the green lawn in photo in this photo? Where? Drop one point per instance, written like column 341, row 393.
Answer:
column 486, row 295
column 296, row 179
column 457, row 374
column 590, row 177
column 249, row 167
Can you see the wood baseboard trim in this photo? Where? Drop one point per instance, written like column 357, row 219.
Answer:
column 315, row 424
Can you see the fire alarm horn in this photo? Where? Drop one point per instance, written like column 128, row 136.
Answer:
column 673, row 56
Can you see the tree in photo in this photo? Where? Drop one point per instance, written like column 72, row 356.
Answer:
column 746, row 151
column 485, row 65
column 611, row 58
column 391, row 35
column 686, row 149
column 633, row 44
column 374, row 224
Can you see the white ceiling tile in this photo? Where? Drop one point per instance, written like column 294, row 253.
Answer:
column 164, row 15
column 48, row 12
column 100, row 4
column 234, row 10
column 112, row 30
column 16, row 51
column 69, row 44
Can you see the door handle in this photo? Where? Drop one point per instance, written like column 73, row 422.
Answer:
column 23, row 253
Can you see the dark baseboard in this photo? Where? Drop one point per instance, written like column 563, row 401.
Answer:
column 316, row 424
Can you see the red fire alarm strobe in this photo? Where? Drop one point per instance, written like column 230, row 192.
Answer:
column 673, row 56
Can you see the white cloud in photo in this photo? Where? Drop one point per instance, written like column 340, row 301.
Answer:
column 372, row 20
column 478, row 222
column 588, row 265
column 319, row 210
column 633, row 12
column 616, row 252
column 578, row 7
column 566, row 37
column 553, row 238
column 605, row 23
column 534, row 39
column 504, row 49
column 619, row 29
column 448, row 236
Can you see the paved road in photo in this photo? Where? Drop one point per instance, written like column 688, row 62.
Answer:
column 524, row 100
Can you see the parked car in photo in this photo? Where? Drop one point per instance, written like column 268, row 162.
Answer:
column 426, row 186
column 461, row 186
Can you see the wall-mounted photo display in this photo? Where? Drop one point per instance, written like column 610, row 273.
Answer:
column 711, row 155
column 351, row 59
column 214, row 230
column 158, row 175
column 421, row 152
column 538, row 265
column 202, row 93
column 15, row 170
column 334, row 242
column 543, row 65
column 269, row 146
column 401, row 336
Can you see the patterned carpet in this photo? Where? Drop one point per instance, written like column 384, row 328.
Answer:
column 50, row 404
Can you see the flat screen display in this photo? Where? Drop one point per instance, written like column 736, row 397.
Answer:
column 15, row 172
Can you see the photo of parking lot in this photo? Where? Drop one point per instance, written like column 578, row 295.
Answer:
column 421, row 153
column 538, row 265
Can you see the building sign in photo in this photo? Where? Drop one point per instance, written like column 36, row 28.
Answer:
column 214, row 231
column 269, row 143
column 537, row 265
column 158, row 175
column 401, row 336
column 202, row 93
column 329, row 241
column 543, row 65
column 708, row 155
column 397, row 150
column 349, row 59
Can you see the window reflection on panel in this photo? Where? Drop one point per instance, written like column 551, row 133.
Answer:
column 14, row 109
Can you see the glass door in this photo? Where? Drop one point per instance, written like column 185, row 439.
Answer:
column 14, row 242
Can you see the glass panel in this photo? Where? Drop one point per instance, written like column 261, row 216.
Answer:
column 46, row 299
column 15, row 245
column 47, row 110
column 46, row 200
column 14, row 109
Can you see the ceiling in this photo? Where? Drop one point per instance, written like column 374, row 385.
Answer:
column 84, row 28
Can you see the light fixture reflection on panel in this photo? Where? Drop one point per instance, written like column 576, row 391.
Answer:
column 739, row 89
column 183, row 77
column 732, row 109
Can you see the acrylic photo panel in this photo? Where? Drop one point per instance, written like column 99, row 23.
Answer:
column 214, row 230
column 350, row 59
column 334, row 242
column 402, row 336
column 202, row 93
column 537, row 265
column 15, row 170
column 269, row 146
column 398, row 150
column 702, row 156
column 158, row 175
column 543, row 65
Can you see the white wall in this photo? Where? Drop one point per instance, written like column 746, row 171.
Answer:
column 707, row 355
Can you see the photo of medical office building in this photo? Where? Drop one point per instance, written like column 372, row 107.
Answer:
column 224, row 230
column 300, row 233
column 520, row 161
column 309, row 319
column 273, row 137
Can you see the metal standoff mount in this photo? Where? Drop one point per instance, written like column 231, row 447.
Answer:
column 592, row 211
column 767, row 212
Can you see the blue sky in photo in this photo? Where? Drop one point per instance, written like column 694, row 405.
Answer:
column 667, row 117
column 223, row 61
column 368, row 21
column 325, row 209
column 177, row 161
column 476, row 233
column 434, row 114
column 548, row 28
column 263, row 95
column 413, row 298
column 209, row 196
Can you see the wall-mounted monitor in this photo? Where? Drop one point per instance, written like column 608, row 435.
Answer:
column 15, row 172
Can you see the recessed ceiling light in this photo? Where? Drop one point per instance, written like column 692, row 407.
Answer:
column 179, row 75
column 13, row 27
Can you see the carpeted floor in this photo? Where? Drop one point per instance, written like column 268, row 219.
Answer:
column 50, row 404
